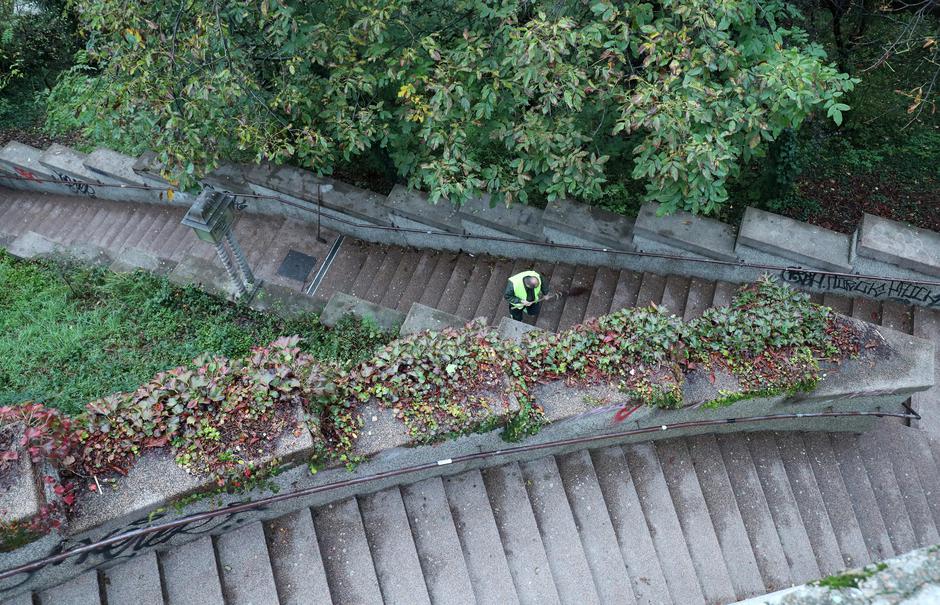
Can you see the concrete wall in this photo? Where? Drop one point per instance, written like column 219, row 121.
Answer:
column 905, row 365
column 898, row 255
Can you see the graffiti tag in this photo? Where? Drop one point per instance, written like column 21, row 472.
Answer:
column 75, row 185
column 893, row 289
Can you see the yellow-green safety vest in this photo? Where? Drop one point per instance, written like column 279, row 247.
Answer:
column 518, row 288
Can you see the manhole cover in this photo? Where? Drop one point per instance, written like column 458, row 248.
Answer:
column 297, row 266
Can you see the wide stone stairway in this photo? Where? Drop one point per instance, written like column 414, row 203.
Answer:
column 707, row 519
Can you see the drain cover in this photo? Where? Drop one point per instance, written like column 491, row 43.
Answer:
column 297, row 266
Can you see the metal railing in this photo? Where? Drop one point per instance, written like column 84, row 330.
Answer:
column 315, row 210
column 132, row 536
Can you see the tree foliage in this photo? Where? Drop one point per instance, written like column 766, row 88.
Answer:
column 509, row 97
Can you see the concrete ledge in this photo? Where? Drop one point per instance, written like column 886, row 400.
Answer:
column 33, row 245
column 113, row 166
column 510, row 329
column 131, row 259
column 20, row 495
column 818, row 248
column 341, row 304
column 422, row 317
column 419, row 213
column 22, row 161
column 156, row 480
column 893, row 242
column 284, row 301
column 196, row 271
column 567, row 222
column 518, row 221
column 704, row 236
column 140, row 499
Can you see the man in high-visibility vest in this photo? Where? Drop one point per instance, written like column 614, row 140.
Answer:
column 524, row 292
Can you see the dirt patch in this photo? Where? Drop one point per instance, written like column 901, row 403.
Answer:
column 38, row 139
column 842, row 200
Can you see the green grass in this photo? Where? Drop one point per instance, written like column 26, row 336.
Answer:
column 70, row 334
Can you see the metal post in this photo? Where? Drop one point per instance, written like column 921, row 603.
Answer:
column 229, row 268
column 319, row 203
column 240, row 257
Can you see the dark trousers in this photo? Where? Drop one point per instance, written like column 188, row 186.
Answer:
column 530, row 310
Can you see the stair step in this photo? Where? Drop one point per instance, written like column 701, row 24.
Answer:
column 556, row 525
column 810, row 503
column 386, row 272
column 117, row 222
column 700, row 296
column 91, row 228
column 190, row 575
column 675, row 294
column 597, row 533
column 26, row 598
column 400, row 278
column 137, row 581
column 155, row 240
column 345, row 551
column 782, row 505
column 457, row 284
column 746, row 487
column 862, row 497
column 445, row 570
column 927, row 325
column 476, row 284
column 657, row 506
column 836, row 498
column 420, row 278
column 51, row 221
column 258, row 235
column 550, row 313
column 633, row 533
column 80, row 590
column 363, row 286
column 724, row 293
column 122, row 237
column 927, row 468
column 245, row 566
column 393, row 549
column 344, row 270
column 75, row 220
column 695, row 521
column 866, row 310
column 726, row 518
column 602, row 293
column 888, row 441
column 491, row 298
column 896, row 316
column 518, row 530
column 479, row 538
column 628, row 286
column 136, row 232
column 438, row 279
column 839, row 304
column 887, row 493
column 651, row 290
column 575, row 306
column 295, row 559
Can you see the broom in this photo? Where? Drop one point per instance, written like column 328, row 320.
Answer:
column 559, row 294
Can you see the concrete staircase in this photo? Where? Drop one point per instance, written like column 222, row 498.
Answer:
column 698, row 520
column 709, row 519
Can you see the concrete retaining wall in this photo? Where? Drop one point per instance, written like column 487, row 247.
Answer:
column 895, row 253
column 905, row 365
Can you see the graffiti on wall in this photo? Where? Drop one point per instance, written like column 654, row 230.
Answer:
column 133, row 545
column 76, row 186
column 26, row 174
column 892, row 289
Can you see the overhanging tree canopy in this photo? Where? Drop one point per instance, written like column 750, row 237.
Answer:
column 508, row 97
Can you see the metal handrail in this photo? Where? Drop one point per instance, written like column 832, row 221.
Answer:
column 511, row 240
column 34, row 565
